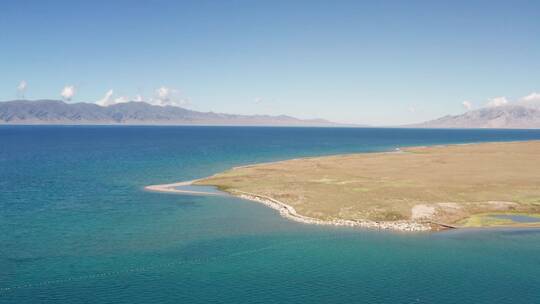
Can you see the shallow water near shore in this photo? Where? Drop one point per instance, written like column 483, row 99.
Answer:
column 517, row 218
column 77, row 225
column 200, row 189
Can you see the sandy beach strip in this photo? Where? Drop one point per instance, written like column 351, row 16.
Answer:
column 173, row 188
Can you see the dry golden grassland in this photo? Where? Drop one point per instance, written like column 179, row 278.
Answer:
column 442, row 183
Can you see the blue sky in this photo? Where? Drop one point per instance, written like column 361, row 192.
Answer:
column 379, row 63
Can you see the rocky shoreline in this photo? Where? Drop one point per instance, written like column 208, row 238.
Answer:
column 290, row 213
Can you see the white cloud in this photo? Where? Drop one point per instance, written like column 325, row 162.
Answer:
column 164, row 93
column 532, row 97
column 165, row 96
column 21, row 88
column 412, row 109
column 121, row 99
column 107, row 99
column 497, row 101
column 68, row 92
column 532, row 100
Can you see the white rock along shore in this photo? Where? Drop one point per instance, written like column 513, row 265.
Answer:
column 290, row 213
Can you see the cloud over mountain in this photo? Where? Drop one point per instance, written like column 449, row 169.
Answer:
column 498, row 113
column 68, row 92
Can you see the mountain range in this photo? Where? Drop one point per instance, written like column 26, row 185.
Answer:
column 133, row 113
column 516, row 115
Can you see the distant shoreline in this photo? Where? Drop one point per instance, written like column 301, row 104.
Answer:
column 151, row 124
column 307, row 126
column 58, row 112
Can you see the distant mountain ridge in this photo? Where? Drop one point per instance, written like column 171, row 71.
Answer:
column 509, row 116
column 133, row 113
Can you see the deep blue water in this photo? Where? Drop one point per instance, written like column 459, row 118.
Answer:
column 76, row 226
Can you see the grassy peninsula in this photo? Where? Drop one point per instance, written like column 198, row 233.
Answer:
column 422, row 185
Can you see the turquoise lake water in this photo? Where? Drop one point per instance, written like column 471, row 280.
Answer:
column 77, row 227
